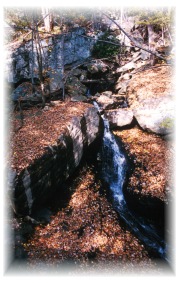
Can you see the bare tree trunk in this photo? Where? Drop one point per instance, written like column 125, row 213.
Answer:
column 19, row 107
column 40, row 66
column 63, row 76
column 163, row 35
column 152, row 45
column 32, row 63
column 121, row 15
column 169, row 35
column 48, row 21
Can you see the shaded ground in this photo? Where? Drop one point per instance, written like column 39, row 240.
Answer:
column 153, row 160
column 40, row 129
column 86, row 232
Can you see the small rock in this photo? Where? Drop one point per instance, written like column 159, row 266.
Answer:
column 129, row 66
column 144, row 55
column 76, row 98
column 98, row 67
column 75, row 87
column 127, row 76
column 122, row 88
column 46, row 108
column 107, row 93
column 55, row 103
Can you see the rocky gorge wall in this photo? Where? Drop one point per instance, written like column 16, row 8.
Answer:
column 19, row 60
column 35, row 184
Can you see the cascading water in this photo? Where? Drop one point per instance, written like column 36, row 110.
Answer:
column 114, row 168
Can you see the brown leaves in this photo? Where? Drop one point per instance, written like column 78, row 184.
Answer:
column 151, row 159
column 41, row 128
column 150, row 83
column 90, row 233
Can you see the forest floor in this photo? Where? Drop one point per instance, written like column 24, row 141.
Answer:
column 87, row 233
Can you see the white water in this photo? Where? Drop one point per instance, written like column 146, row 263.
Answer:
column 114, row 162
column 114, row 168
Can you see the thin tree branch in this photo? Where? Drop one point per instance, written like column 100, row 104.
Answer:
column 105, row 41
column 38, row 23
column 40, row 66
column 133, row 40
column 169, row 35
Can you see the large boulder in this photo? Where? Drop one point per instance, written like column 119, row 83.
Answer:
column 151, row 83
column 35, row 184
column 74, row 87
column 24, row 92
column 119, row 117
column 156, row 115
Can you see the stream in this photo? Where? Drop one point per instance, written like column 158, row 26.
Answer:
column 113, row 171
column 112, row 168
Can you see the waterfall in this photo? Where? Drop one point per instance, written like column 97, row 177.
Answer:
column 114, row 165
column 114, row 169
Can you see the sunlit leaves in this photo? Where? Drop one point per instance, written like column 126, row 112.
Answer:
column 40, row 129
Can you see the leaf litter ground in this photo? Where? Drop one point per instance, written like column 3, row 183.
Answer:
column 87, row 233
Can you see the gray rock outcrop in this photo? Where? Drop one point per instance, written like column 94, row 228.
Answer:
column 19, row 59
column 33, row 186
